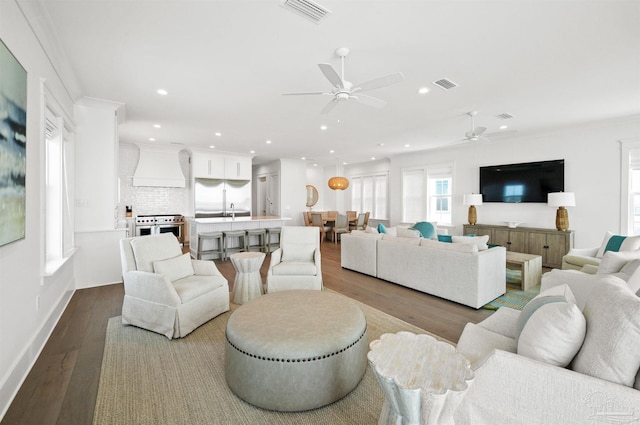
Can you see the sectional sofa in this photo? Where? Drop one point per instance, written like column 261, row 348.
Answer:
column 458, row 272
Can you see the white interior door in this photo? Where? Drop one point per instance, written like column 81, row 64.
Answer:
column 273, row 194
column 261, row 191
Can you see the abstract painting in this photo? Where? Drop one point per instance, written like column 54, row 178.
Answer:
column 13, row 147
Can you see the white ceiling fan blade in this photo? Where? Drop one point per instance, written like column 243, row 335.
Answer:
column 479, row 130
column 332, row 104
column 303, row 93
column 370, row 101
column 380, row 82
column 502, row 133
column 331, row 75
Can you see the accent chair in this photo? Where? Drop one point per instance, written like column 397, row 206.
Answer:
column 166, row 291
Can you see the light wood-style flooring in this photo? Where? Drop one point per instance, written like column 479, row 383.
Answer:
column 63, row 384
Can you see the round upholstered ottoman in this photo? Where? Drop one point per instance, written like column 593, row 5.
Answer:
column 295, row 350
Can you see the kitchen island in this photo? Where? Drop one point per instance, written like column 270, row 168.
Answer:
column 221, row 224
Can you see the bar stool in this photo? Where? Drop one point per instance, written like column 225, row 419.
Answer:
column 276, row 232
column 217, row 247
column 261, row 234
column 234, row 235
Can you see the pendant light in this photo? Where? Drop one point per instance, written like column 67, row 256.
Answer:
column 338, row 182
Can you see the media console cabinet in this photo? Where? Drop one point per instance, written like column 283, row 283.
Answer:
column 551, row 244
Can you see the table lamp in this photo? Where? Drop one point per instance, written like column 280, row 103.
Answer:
column 562, row 200
column 472, row 199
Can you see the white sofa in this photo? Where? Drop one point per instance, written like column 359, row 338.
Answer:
column 597, row 383
column 454, row 271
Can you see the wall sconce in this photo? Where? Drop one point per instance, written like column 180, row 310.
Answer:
column 472, row 199
column 562, row 200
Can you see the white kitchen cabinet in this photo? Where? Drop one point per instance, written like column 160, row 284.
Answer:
column 219, row 166
column 237, row 167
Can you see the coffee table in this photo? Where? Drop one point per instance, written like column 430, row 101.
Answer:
column 529, row 265
column 423, row 380
column 248, row 283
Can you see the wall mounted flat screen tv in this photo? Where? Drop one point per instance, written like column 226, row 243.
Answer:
column 526, row 182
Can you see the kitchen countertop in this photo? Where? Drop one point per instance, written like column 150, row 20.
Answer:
column 238, row 219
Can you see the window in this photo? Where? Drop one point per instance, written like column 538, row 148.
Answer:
column 426, row 194
column 58, row 229
column 370, row 194
column 630, row 185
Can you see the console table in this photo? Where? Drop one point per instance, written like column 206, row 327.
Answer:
column 550, row 244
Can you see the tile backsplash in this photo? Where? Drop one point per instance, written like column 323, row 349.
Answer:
column 151, row 200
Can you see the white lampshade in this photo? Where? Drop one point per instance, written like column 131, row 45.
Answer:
column 561, row 199
column 472, row 199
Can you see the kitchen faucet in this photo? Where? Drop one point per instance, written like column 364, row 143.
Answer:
column 233, row 211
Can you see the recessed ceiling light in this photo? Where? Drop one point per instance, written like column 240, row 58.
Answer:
column 268, row 142
column 380, row 144
column 212, row 147
column 323, row 127
column 303, row 158
column 407, row 145
column 315, row 165
column 157, row 125
column 331, row 151
column 344, row 163
column 373, row 158
column 252, row 151
column 163, row 92
column 151, row 139
column 504, row 127
column 423, row 90
column 218, row 134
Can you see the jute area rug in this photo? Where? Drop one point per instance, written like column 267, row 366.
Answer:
column 148, row 379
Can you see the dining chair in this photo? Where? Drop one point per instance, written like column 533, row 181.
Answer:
column 341, row 226
column 317, row 221
column 360, row 222
column 366, row 219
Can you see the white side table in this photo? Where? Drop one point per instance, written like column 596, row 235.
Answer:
column 423, row 379
column 248, row 283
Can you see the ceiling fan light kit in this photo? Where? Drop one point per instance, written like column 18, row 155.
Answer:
column 344, row 90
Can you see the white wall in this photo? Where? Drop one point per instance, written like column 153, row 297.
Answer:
column 592, row 171
column 293, row 190
column 25, row 323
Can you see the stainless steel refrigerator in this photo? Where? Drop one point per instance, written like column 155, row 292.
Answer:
column 220, row 198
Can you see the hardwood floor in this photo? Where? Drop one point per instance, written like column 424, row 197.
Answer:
column 63, row 384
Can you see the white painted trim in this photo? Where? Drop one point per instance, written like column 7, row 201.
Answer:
column 25, row 362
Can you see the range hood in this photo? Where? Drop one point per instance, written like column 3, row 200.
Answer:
column 159, row 166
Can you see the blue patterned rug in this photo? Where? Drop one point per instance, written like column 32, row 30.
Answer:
column 515, row 297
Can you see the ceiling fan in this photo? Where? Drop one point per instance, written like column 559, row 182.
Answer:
column 475, row 133
column 344, row 90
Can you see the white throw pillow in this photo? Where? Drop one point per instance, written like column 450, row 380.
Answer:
column 147, row 249
column 405, row 232
column 610, row 350
column 298, row 252
column 370, row 229
column 481, row 241
column 551, row 327
column 630, row 243
column 613, row 262
column 175, row 268
column 391, row 231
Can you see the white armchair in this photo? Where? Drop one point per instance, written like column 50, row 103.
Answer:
column 166, row 291
column 296, row 264
column 578, row 258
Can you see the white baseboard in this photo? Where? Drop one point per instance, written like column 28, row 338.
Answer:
column 25, row 362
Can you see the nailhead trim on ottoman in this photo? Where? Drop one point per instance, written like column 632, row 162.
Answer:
column 295, row 350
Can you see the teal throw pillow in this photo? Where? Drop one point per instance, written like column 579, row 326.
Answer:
column 426, row 229
column 381, row 228
column 445, row 238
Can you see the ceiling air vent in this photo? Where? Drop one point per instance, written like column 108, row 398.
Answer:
column 504, row 116
column 445, row 84
column 307, row 9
